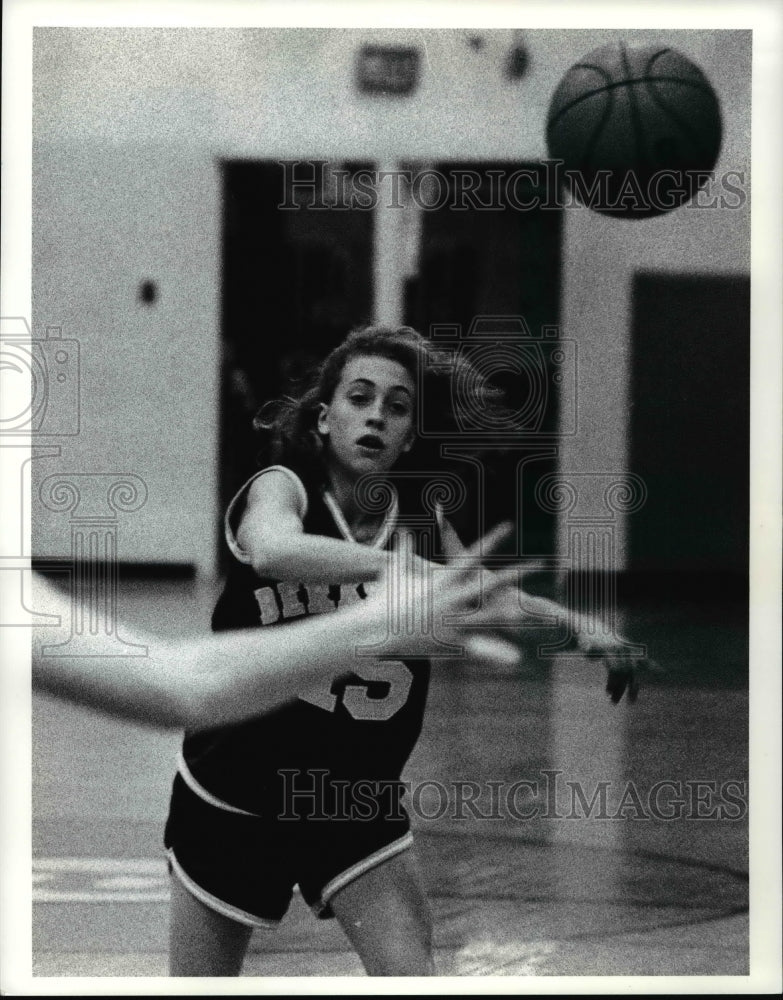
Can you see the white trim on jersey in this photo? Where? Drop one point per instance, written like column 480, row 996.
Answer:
column 231, row 540
column 241, row 916
column 196, row 788
column 389, row 521
column 371, row 861
column 439, row 516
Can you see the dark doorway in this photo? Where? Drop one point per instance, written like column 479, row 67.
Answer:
column 690, row 425
column 297, row 279
column 499, row 263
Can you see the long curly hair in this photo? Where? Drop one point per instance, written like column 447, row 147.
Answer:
column 289, row 424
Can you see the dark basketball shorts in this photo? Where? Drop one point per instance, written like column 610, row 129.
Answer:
column 246, row 867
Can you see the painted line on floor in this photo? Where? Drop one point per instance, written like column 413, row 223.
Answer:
column 100, row 880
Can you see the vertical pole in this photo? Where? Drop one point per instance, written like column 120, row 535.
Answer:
column 396, row 243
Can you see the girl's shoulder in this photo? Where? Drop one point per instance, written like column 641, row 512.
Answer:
column 267, row 497
column 272, row 486
column 276, row 483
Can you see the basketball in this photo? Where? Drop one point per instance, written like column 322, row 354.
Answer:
column 637, row 130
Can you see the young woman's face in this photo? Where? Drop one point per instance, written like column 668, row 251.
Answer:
column 370, row 420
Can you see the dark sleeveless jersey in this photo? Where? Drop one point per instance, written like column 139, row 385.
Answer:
column 313, row 754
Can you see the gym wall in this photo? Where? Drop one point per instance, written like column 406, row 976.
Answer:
column 129, row 130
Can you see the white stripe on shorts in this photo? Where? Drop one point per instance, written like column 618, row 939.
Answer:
column 341, row 880
column 202, row 793
column 226, row 909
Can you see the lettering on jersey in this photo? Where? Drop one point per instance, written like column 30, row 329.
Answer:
column 267, row 605
column 320, row 600
column 289, row 593
column 351, row 595
column 285, row 600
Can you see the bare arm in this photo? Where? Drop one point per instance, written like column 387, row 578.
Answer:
column 212, row 680
column 220, row 679
column 216, row 679
column 272, row 536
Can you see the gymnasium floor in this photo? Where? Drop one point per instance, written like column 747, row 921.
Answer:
column 541, row 896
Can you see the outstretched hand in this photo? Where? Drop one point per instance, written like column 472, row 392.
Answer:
column 422, row 606
column 623, row 667
column 529, row 613
column 427, row 606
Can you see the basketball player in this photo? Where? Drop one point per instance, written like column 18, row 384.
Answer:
column 309, row 794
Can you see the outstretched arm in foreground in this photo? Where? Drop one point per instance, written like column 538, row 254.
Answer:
column 229, row 677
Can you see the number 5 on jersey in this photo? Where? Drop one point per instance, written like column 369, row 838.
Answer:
column 356, row 698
